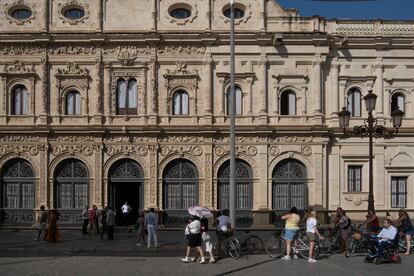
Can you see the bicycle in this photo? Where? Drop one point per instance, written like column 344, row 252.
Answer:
column 357, row 243
column 232, row 246
column 337, row 244
column 275, row 247
column 252, row 244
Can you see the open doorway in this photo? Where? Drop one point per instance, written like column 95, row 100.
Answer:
column 126, row 185
column 126, row 192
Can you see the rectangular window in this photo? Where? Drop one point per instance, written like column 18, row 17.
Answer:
column 399, row 192
column 354, row 178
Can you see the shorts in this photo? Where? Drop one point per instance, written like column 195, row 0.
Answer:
column 290, row 234
column 311, row 236
column 194, row 240
column 409, row 232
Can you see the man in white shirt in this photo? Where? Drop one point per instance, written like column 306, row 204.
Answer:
column 223, row 225
column 126, row 211
column 386, row 236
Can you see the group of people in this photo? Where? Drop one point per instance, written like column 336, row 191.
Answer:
column 47, row 224
column 198, row 237
column 92, row 217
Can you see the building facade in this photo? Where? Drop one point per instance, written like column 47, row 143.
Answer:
column 105, row 101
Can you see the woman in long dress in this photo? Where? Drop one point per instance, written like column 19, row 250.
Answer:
column 53, row 233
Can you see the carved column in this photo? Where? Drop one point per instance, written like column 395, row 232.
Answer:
column 153, row 199
column 379, row 90
column 44, row 161
column 220, row 96
column 107, row 92
column 208, row 88
column 153, row 90
column 342, row 94
column 154, row 15
column 263, row 91
column 276, row 104
column 98, row 175
column 263, row 15
column 99, row 88
column 334, row 93
column 304, row 101
column 44, row 96
column 249, row 96
column 3, row 97
column 208, row 188
column 317, row 87
column 144, row 110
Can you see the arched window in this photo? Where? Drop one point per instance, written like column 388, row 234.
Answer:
column 289, row 185
column 20, row 100
column 354, row 102
column 127, row 97
column 288, row 103
column 180, row 185
column 244, row 190
column 17, row 181
column 238, row 99
column 71, row 185
column 180, row 102
column 73, row 103
column 398, row 102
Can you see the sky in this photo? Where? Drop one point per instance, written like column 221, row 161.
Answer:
column 381, row 9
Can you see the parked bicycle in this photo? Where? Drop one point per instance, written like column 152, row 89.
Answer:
column 251, row 244
column 357, row 243
column 337, row 243
column 232, row 245
column 275, row 247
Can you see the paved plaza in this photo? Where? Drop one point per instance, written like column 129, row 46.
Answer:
column 88, row 255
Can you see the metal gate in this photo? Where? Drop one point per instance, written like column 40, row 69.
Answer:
column 289, row 185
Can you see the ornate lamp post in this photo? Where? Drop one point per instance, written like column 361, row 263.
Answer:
column 370, row 128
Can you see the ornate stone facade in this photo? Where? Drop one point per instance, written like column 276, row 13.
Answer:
column 278, row 52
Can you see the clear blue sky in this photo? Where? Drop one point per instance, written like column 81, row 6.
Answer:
column 381, row 9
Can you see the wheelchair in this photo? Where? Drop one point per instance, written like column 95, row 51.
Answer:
column 389, row 255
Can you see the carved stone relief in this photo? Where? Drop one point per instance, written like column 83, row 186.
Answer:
column 33, row 150
column 18, row 67
column 306, row 150
column 291, row 139
column 21, row 49
column 195, row 150
column 181, row 50
column 274, row 151
column 72, row 149
column 126, row 149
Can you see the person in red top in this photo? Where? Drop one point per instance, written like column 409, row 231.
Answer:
column 93, row 219
column 372, row 222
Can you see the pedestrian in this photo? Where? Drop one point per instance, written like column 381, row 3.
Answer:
column 151, row 223
column 407, row 228
column 126, row 212
column 141, row 228
column 223, row 227
column 103, row 215
column 110, row 222
column 85, row 220
column 53, row 233
column 291, row 229
column 343, row 223
column 372, row 222
column 42, row 222
column 311, row 232
column 205, row 237
column 384, row 239
column 93, row 219
column 194, row 239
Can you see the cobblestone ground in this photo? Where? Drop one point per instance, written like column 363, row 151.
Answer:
column 84, row 255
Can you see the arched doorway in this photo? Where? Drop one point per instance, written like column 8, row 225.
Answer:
column 17, row 192
column 180, row 189
column 244, row 190
column 126, row 179
column 289, row 185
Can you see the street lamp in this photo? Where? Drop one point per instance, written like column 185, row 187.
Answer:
column 370, row 128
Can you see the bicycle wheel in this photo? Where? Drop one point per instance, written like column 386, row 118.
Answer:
column 253, row 245
column 302, row 248
column 351, row 248
column 233, row 247
column 275, row 247
column 324, row 247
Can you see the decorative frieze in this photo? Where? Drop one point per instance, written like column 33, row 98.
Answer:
column 194, row 150
column 291, row 139
column 18, row 67
column 71, row 139
column 21, row 50
column 67, row 49
column 33, row 150
column 126, row 149
column 182, row 139
column 181, row 50
column 374, row 28
column 72, row 149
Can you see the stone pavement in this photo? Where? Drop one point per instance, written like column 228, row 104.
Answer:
column 20, row 242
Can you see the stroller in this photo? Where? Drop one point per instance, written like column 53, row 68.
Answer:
column 389, row 255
